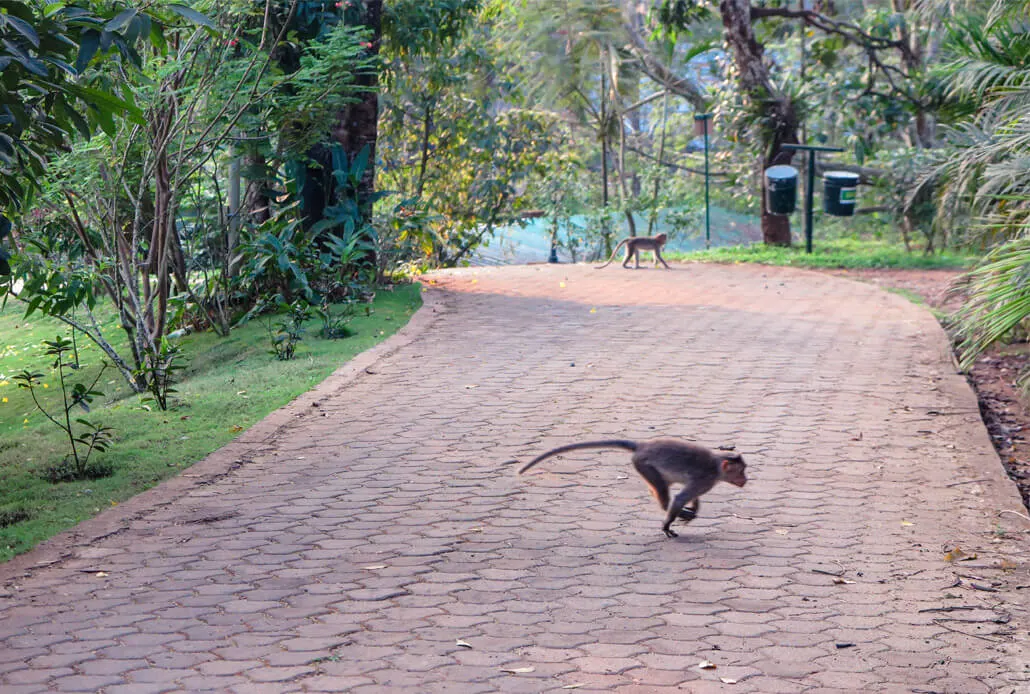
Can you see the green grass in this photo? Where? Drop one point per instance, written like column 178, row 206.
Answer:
column 835, row 253
column 229, row 384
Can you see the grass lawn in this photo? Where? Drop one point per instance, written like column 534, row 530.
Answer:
column 229, row 384
column 835, row 253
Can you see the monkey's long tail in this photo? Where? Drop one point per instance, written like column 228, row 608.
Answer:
column 613, row 443
column 614, row 252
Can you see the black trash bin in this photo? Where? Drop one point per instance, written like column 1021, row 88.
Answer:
column 781, row 185
column 840, row 193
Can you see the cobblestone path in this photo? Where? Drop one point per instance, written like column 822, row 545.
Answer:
column 373, row 536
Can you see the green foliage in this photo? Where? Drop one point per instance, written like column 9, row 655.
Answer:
column 159, row 372
column 289, row 329
column 84, row 439
column 998, row 303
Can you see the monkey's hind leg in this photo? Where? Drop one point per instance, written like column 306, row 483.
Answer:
column 687, row 494
column 689, row 511
column 656, row 482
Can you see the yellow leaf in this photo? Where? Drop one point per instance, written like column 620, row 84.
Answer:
column 562, row 285
column 46, row 385
column 907, row 524
column 593, row 310
column 955, row 555
column 3, row 400
column 475, row 281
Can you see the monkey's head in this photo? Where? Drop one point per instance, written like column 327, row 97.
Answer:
column 661, row 238
column 731, row 468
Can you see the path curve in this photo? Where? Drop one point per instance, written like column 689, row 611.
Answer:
column 372, row 537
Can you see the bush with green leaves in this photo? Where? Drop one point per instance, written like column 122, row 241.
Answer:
column 84, row 437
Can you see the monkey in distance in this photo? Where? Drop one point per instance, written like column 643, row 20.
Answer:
column 635, row 244
column 663, row 462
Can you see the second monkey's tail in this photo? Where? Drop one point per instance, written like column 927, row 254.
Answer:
column 612, row 443
column 614, row 253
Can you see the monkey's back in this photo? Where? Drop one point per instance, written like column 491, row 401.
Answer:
column 679, row 461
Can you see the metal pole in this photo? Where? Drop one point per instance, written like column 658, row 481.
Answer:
column 708, row 216
column 704, row 118
column 809, row 193
column 810, row 184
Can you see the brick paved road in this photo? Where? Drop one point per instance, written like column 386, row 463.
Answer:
column 358, row 540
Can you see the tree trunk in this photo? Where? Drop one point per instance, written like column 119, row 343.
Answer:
column 357, row 124
column 756, row 83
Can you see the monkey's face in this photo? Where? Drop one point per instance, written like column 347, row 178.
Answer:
column 733, row 471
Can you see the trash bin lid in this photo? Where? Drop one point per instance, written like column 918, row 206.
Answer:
column 844, row 177
column 782, row 172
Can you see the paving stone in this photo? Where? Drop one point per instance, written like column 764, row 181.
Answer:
column 365, row 544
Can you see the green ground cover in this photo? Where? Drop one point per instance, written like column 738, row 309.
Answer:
column 228, row 385
column 832, row 253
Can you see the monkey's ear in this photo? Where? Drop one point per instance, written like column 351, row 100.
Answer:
column 731, row 457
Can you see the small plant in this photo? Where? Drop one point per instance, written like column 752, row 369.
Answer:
column 159, row 372
column 334, row 325
column 290, row 330
column 93, row 437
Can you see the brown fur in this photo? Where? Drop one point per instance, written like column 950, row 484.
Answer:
column 662, row 462
column 635, row 244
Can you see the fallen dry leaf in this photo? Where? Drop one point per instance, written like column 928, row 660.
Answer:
column 727, row 680
column 374, row 567
column 100, row 574
column 781, row 531
column 706, row 665
column 593, row 310
column 958, row 555
column 906, row 523
column 574, row 686
column 518, row 670
column 562, row 285
column 463, row 644
column 842, row 581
